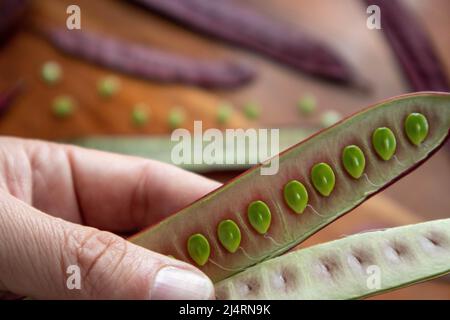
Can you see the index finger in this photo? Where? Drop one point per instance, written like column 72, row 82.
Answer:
column 116, row 192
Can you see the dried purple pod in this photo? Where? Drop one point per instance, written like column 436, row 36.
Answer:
column 8, row 96
column 10, row 13
column 246, row 27
column 412, row 46
column 150, row 63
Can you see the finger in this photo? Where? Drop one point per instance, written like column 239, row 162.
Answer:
column 109, row 191
column 40, row 257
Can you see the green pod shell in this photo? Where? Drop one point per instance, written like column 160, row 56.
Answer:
column 287, row 229
column 340, row 269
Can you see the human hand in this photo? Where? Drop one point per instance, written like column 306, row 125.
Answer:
column 52, row 200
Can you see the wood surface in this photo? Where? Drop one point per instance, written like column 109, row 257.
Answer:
column 342, row 24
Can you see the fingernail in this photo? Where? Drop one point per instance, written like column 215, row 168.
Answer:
column 177, row 284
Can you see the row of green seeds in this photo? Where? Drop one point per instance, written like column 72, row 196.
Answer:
column 295, row 193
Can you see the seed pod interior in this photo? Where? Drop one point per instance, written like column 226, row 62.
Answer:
column 231, row 201
column 348, row 268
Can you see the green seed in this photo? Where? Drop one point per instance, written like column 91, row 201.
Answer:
column 307, row 105
column 354, row 161
column 296, row 196
column 51, row 72
column 63, row 106
column 251, row 111
column 176, row 118
column 229, row 235
column 383, row 140
column 323, row 178
column 259, row 216
column 140, row 115
column 416, row 127
column 198, row 248
column 329, row 118
column 224, row 113
column 108, row 86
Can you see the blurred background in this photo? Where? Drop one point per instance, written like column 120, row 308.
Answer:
column 61, row 87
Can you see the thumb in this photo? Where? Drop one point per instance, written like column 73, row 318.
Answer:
column 48, row 258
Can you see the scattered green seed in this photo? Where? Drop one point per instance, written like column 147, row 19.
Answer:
column 354, row 161
column 140, row 115
column 51, row 72
column 108, row 86
column 176, row 118
column 251, row 111
column 307, row 105
column 296, row 196
column 63, row 106
column 329, row 118
column 198, row 248
column 323, row 178
column 383, row 140
column 224, row 113
column 229, row 235
column 259, row 216
column 416, row 127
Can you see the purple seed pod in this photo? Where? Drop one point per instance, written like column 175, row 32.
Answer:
column 412, row 46
column 8, row 96
column 150, row 63
column 244, row 26
column 10, row 13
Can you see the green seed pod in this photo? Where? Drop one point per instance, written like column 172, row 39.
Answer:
column 354, row 161
column 383, row 140
column 108, row 86
column 416, row 128
column 63, row 106
column 229, row 235
column 296, row 196
column 224, row 113
column 259, row 216
column 307, row 105
column 251, row 111
column 176, row 118
column 198, row 248
column 323, row 178
column 140, row 115
column 51, row 72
